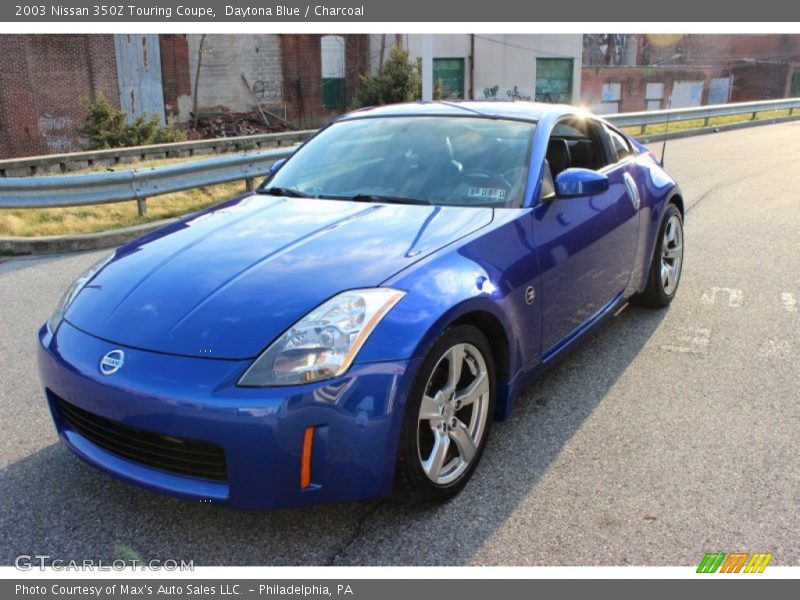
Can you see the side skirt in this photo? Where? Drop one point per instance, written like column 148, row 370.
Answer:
column 524, row 377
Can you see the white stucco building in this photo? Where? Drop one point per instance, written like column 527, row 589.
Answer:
column 526, row 66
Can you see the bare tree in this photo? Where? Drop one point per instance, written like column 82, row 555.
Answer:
column 611, row 49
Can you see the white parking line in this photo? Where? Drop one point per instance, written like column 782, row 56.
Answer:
column 735, row 296
column 789, row 301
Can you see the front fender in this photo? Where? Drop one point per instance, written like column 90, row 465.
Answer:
column 484, row 276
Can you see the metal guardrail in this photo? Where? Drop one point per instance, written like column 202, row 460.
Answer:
column 706, row 113
column 34, row 165
column 139, row 184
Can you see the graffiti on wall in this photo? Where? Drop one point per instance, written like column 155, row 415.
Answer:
column 267, row 90
column 56, row 132
column 514, row 93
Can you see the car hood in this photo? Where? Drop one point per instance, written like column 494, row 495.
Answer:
column 226, row 282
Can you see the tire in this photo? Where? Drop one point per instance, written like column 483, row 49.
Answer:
column 666, row 264
column 443, row 421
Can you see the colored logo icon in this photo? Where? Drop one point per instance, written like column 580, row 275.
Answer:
column 735, row 562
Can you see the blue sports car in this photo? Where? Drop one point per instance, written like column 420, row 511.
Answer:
column 365, row 316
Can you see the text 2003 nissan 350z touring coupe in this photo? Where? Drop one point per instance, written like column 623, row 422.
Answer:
column 365, row 315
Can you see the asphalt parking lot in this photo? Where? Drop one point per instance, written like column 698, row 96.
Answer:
column 668, row 434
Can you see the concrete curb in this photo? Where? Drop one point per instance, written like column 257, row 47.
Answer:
column 54, row 244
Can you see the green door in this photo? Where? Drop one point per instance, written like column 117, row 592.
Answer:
column 333, row 60
column 554, row 80
column 795, row 84
column 333, row 92
column 450, row 72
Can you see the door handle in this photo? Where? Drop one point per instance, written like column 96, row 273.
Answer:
column 633, row 191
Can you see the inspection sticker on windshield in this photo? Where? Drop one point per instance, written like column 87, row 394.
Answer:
column 495, row 193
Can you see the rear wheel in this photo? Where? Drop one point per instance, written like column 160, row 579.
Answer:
column 667, row 262
column 448, row 417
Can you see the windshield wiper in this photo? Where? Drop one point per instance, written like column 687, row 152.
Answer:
column 280, row 191
column 387, row 199
column 293, row 193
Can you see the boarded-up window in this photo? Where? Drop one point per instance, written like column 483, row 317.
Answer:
column 138, row 61
column 333, row 71
column 610, row 95
column 654, row 95
column 686, row 93
column 719, row 90
column 554, row 80
column 612, row 92
column 450, row 73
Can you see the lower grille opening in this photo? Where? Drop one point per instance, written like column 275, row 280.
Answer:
column 165, row 452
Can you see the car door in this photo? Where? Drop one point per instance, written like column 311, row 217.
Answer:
column 585, row 244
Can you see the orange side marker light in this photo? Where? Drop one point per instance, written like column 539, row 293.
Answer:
column 305, row 463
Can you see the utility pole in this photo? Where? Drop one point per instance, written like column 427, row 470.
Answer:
column 427, row 67
column 471, row 95
column 195, row 114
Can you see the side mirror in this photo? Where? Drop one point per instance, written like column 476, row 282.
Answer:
column 275, row 167
column 580, row 182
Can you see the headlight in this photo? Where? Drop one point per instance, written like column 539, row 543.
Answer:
column 323, row 344
column 73, row 291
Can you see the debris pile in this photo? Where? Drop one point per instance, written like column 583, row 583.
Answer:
column 220, row 121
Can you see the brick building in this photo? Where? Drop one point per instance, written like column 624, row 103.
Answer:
column 308, row 78
column 176, row 81
column 321, row 74
column 44, row 78
column 625, row 73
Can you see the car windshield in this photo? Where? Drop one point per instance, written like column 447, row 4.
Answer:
column 467, row 161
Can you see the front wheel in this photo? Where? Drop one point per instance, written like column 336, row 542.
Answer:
column 448, row 417
column 667, row 262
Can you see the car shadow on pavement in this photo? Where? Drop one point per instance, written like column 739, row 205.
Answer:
column 519, row 453
column 56, row 505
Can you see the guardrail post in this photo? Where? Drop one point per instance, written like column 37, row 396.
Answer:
column 250, row 184
column 753, row 116
column 141, row 206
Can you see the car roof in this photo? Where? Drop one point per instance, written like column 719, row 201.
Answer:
column 503, row 109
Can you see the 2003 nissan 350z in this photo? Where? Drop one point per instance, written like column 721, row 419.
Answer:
column 366, row 315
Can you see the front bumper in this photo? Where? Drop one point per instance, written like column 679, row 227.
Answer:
column 356, row 418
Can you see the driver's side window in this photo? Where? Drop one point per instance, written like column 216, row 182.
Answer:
column 575, row 142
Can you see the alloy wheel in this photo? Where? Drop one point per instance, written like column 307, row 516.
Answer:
column 453, row 414
column 672, row 254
